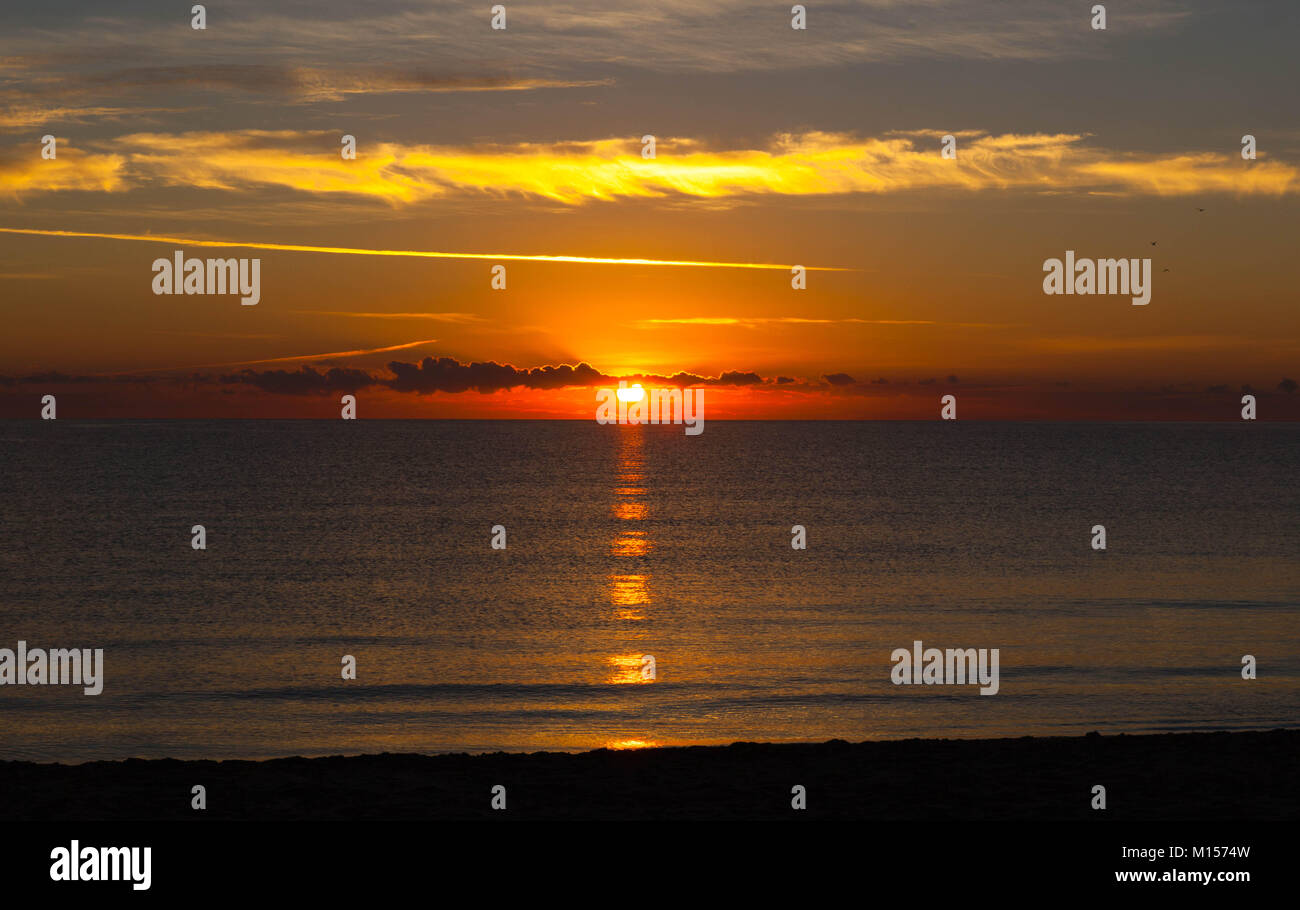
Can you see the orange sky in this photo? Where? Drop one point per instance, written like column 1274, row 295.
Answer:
column 530, row 144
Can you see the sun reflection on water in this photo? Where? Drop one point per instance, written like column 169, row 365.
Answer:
column 625, row 670
column 628, row 582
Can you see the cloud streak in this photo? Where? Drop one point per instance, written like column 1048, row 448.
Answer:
column 750, row 322
column 453, row 318
column 417, row 254
column 299, row 84
column 579, row 172
column 670, row 36
column 428, row 376
column 333, row 355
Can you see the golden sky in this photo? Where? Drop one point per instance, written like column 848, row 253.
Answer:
column 773, row 148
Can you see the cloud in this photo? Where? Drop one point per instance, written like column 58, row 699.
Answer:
column 24, row 171
column 449, row 376
column 750, row 322
column 454, row 318
column 296, row 83
column 736, row 378
column 445, row 374
column 425, row 377
column 305, row 381
column 576, row 172
column 754, row 321
column 416, row 254
column 579, row 172
column 332, row 355
column 547, row 36
column 21, row 116
column 1192, row 174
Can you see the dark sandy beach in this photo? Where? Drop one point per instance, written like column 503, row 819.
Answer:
column 1189, row 776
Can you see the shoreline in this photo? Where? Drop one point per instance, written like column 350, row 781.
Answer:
column 1169, row 776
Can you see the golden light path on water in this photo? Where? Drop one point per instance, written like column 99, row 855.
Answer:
column 629, row 589
column 419, row 254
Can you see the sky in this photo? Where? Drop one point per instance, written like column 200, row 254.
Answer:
column 773, row 147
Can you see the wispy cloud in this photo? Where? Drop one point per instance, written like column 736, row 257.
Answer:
column 671, row 36
column 416, row 254
column 752, row 321
column 289, row 83
column 332, row 355
column 26, row 172
column 454, row 318
column 578, row 172
column 27, row 115
column 309, row 358
column 757, row 321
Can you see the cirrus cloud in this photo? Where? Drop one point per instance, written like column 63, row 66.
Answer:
column 578, row 172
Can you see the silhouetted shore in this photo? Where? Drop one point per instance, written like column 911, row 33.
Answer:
column 1192, row 776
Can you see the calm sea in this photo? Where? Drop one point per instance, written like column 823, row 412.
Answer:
column 372, row 539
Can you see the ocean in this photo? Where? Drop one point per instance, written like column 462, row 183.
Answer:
column 373, row 539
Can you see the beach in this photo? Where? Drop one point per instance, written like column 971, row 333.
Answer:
column 1185, row 776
